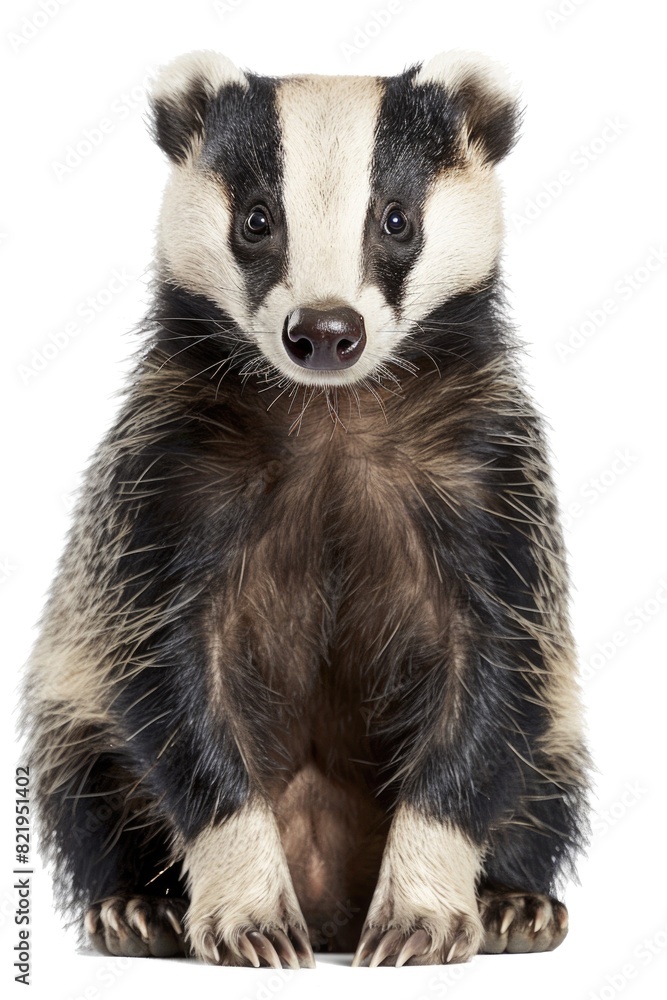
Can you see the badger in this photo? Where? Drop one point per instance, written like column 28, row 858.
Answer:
column 305, row 679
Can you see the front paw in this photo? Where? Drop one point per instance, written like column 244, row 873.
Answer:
column 243, row 908
column 131, row 924
column 454, row 937
column 279, row 944
column 519, row 922
column 424, row 909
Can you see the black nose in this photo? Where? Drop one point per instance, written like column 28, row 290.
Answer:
column 324, row 339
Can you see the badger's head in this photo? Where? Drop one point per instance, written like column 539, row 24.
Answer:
column 327, row 217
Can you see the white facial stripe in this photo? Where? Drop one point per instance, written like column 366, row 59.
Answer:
column 193, row 239
column 463, row 229
column 328, row 126
column 328, row 130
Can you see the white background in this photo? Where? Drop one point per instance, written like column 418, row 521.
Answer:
column 569, row 252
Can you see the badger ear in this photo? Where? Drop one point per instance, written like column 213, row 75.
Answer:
column 483, row 94
column 181, row 95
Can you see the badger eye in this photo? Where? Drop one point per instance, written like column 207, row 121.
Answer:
column 257, row 223
column 395, row 222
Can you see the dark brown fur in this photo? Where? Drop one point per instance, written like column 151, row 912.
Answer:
column 348, row 476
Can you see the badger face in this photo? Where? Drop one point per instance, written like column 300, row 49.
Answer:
column 328, row 216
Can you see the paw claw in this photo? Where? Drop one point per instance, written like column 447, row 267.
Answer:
column 412, row 942
column 174, row 921
column 540, row 920
column 246, row 945
column 385, row 948
column 91, row 922
column 562, row 917
column 113, row 921
column 508, row 917
column 285, row 949
column 264, row 949
column 210, row 948
column 140, row 922
column 369, row 938
column 417, row 945
column 302, row 947
column 248, row 951
column 457, row 952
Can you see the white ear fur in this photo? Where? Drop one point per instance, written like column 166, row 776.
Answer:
column 207, row 68
column 455, row 68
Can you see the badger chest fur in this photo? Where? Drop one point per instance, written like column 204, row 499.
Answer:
column 305, row 678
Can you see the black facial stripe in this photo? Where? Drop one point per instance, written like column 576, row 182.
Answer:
column 243, row 146
column 415, row 139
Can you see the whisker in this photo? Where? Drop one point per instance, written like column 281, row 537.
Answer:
column 187, row 347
